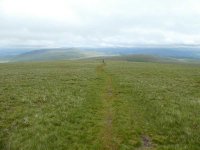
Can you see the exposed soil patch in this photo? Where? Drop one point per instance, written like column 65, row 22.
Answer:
column 146, row 141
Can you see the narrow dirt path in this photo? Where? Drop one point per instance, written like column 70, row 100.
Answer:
column 108, row 97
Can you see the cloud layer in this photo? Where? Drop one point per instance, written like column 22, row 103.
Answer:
column 66, row 23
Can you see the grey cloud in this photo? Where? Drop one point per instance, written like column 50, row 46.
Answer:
column 106, row 23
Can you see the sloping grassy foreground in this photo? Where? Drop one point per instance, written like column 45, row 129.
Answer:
column 89, row 105
column 158, row 105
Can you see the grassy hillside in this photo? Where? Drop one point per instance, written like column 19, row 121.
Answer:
column 128, row 54
column 174, row 53
column 142, row 58
column 90, row 105
column 54, row 54
column 146, row 58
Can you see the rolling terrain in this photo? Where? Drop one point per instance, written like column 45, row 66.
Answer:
column 54, row 54
column 184, row 53
column 88, row 104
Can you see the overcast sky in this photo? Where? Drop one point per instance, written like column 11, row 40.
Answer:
column 98, row 23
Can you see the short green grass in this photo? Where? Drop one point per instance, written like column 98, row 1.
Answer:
column 87, row 105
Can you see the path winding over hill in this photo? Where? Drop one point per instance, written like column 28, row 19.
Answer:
column 108, row 97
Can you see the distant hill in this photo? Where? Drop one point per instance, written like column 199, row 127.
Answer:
column 142, row 58
column 173, row 52
column 55, row 54
column 147, row 58
column 125, row 53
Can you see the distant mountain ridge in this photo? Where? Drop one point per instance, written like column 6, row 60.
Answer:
column 52, row 54
column 174, row 52
column 55, row 54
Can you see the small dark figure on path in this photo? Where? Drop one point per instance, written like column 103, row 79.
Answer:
column 103, row 61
